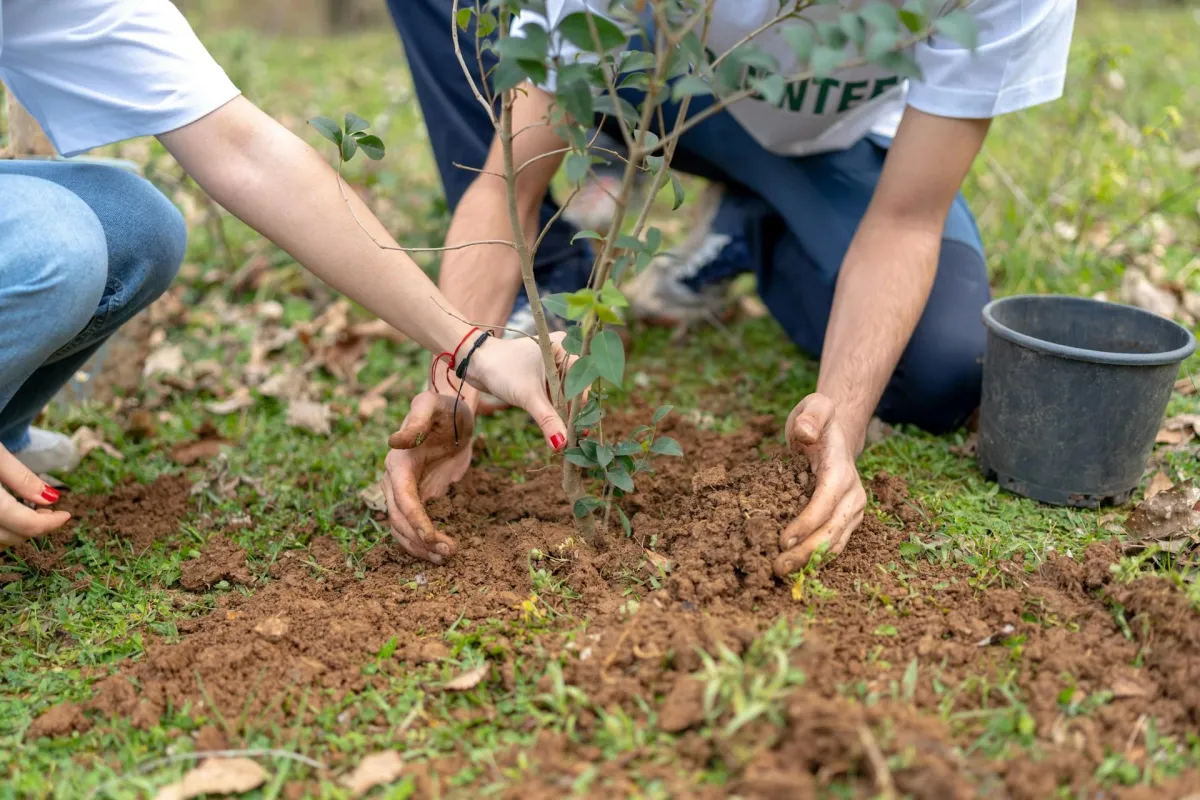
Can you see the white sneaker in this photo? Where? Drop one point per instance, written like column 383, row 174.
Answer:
column 48, row 452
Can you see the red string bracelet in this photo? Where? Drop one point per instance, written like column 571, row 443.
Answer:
column 450, row 363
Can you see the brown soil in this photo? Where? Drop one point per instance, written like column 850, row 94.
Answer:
column 134, row 514
column 861, row 717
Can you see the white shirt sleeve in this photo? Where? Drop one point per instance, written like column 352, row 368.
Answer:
column 93, row 72
column 556, row 10
column 1020, row 61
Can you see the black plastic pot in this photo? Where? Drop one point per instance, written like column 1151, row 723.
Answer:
column 1073, row 394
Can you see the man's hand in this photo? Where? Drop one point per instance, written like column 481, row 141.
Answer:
column 17, row 521
column 424, row 463
column 837, row 503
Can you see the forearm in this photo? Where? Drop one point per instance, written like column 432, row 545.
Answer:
column 880, row 295
column 281, row 187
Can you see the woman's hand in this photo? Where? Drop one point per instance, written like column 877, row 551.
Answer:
column 18, row 522
column 512, row 370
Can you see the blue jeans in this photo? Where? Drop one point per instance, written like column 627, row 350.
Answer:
column 83, row 248
column 791, row 220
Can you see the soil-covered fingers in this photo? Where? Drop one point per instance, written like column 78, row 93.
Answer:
column 416, row 426
column 835, row 534
column 406, row 534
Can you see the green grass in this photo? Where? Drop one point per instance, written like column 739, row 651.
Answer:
column 1071, row 164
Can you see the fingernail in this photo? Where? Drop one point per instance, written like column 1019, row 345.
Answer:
column 50, row 494
column 585, row 432
column 444, row 549
column 790, row 543
column 558, row 441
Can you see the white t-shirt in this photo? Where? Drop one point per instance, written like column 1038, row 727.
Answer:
column 1020, row 61
column 93, row 72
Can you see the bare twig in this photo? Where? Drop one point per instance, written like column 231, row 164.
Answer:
column 481, row 325
column 792, row 11
column 462, row 62
column 879, row 767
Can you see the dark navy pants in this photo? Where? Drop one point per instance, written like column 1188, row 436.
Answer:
column 798, row 214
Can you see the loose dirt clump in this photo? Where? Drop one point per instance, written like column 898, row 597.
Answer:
column 221, row 560
column 897, row 675
column 137, row 514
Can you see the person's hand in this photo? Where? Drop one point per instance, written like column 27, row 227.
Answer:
column 18, row 522
column 423, row 464
column 513, row 372
column 836, row 508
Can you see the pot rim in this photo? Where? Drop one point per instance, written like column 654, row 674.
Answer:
column 1163, row 358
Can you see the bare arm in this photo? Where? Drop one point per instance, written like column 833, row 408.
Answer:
column 278, row 185
column 483, row 281
column 889, row 269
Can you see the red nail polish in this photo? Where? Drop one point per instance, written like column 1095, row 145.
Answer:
column 50, row 494
column 558, row 441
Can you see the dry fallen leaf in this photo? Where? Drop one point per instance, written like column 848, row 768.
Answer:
column 288, row 385
column 660, row 562
column 1137, row 290
column 235, row 402
column 167, row 359
column 1185, row 386
column 377, row 769
column 272, row 628
column 1159, row 483
column 1169, row 519
column 311, row 416
column 216, row 776
column 998, row 636
column 1124, row 686
column 86, row 440
column 469, row 679
column 188, row 453
column 373, row 497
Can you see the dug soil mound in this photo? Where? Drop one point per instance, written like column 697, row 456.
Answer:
column 889, row 673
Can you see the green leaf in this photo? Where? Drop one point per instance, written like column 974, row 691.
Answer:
column 581, row 376
column 612, row 296
column 677, row 189
column 881, row 43
column 666, row 446
column 655, row 163
column 588, row 447
column 635, row 61
column 831, row 35
column 881, row 15
column 913, row 19
column 573, row 342
column 960, row 26
column 586, row 235
column 604, row 455
column 654, row 238
column 589, row 415
column 464, row 18
column 371, row 145
column 771, row 88
column 556, row 304
column 908, row 684
column 751, row 55
column 624, row 521
column 852, row 25
column 619, row 478
column 608, row 355
column 576, row 457
column 327, row 128
column 576, row 98
column 577, row 168
column 901, row 63
column 486, row 26
column 661, row 413
column 575, row 29
column 508, row 74
column 630, row 448
column 355, row 123
column 580, row 302
column 689, row 86
column 531, row 45
column 635, row 80
column 604, row 105
column 349, row 147
column 801, row 38
column 585, row 506
column 825, row 60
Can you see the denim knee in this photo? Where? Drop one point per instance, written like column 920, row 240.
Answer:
column 56, row 250
column 147, row 238
column 935, row 388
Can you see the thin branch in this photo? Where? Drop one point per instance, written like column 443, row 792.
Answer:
column 458, row 53
column 477, row 170
column 879, row 766
column 554, row 218
column 481, row 325
column 382, row 246
column 783, row 15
